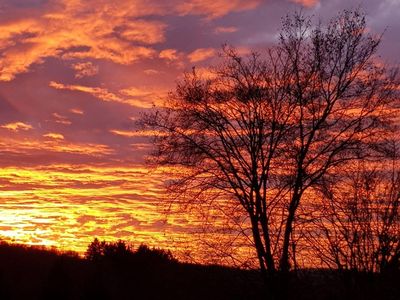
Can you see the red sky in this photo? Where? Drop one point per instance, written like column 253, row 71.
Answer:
column 75, row 74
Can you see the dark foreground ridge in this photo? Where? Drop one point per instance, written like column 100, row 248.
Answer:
column 115, row 271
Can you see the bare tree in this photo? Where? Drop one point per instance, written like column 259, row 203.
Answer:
column 359, row 224
column 267, row 128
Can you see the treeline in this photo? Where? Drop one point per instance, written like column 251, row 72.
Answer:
column 120, row 251
column 115, row 270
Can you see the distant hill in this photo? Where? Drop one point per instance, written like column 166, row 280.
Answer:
column 115, row 271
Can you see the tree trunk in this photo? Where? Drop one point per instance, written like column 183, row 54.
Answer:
column 259, row 246
column 284, row 265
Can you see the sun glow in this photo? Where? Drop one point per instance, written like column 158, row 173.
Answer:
column 67, row 205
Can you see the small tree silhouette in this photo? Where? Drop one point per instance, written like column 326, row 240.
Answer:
column 154, row 255
column 107, row 250
column 95, row 250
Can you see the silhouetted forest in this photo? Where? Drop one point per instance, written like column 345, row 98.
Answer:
column 114, row 270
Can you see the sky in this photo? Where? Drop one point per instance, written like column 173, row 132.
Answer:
column 74, row 77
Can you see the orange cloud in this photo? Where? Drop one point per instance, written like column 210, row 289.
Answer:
column 169, row 54
column 137, row 92
column 205, row 73
column 77, row 111
column 151, row 72
column 222, row 29
column 124, row 133
column 145, row 32
column 97, row 92
column 17, row 126
column 61, row 119
column 79, row 29
column 52, row 135
column 148, row 92
column 201, row 54
column 130, row 133
column 85, row 69
column 215, row 8
column 134, row 96
column 148, row 96
column 115, row 31
column 306, row 3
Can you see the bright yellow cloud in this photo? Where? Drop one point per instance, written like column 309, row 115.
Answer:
column 53, row 135
column 64, row 205
column 56, row 145
column 17, row 126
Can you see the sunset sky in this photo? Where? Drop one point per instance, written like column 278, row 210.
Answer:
column 76, row 74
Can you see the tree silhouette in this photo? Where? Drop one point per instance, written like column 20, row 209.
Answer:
column 154, row 255
column 359, row 222
column 266, row 129
column 110, row 250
